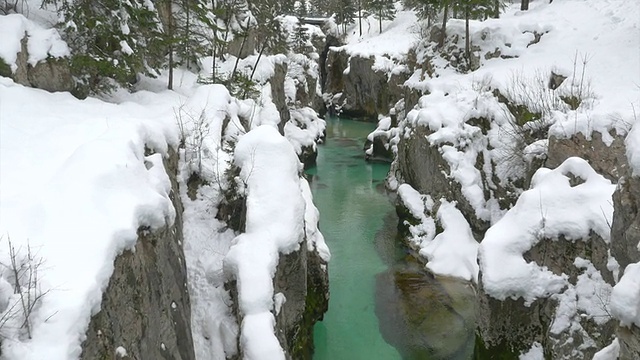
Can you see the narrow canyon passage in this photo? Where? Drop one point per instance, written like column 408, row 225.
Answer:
column 382, row 305
column 351, row 212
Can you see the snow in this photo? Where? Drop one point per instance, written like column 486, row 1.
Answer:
column 625, row 303
column 274, row 225
column 395, row 41
column 454, row 251
column 535, row 353
column 609, row 352
column 550, row 209
column 41, row 42
column 121, row 352
column 75, row 187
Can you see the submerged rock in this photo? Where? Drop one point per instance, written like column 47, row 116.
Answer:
column 426, row 316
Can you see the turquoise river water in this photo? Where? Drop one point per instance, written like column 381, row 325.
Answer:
column 379, row 294
column 352, row 210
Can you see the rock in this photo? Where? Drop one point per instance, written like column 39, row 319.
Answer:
column 235, row 45
column 625, row 229
column 278, row 95
column 412, row 305
column 422, row 166
column 608, row 160
column 146, row 308
column 366, row 92
column 305, row 285
column 301, row 277
column 556, row 80
column 51, row 75
column 629, row 339
column 380, row 148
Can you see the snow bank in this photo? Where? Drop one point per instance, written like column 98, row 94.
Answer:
column 625, row 298
column 274, row 225
column 453, row 252
column 41, row 43
column 553, row 207
column 75, row 186
column 446, row 116
column 593, row 43
column 304, row 129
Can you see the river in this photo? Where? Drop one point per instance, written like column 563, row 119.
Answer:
column 372, row 279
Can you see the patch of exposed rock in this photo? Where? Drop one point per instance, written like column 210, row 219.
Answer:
column 146, row 308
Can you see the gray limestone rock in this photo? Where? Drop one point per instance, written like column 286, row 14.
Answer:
column 146, row 308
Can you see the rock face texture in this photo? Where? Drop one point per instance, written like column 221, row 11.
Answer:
column 146, row 308
column 365, row 92
column 278, row 95
column 51, row 74
column 422, row 166
column 300, row 278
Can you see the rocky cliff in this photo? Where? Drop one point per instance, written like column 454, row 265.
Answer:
column 145, row 309
column 356, row 88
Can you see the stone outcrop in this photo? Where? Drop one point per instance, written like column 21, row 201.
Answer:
column 278, row 94
column 146, row 308
column 509, row 326
column 301, row 277
column 365, row 92
column 608, row 160
column 625, row 234
column 50, row 74
column 422, row 166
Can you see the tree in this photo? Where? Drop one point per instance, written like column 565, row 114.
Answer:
column 112, row 39
column 382, row 10
column 300, row 34
column 345, row 12
column 472, row 9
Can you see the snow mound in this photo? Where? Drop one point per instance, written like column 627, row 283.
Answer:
column 553, row 207
column 76, row 184
column 274, row 225
column 625, row 298
column 453, row 252
column 41, row 43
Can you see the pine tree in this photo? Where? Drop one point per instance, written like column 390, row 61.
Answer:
column 472, row 9
column 381, row 10
column 344, row 11
column 112, row 39
column 300, row 34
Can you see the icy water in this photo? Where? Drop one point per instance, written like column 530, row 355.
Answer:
column 383, row 306
column 352, row 208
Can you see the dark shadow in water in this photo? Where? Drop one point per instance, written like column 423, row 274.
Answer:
column 424, row 317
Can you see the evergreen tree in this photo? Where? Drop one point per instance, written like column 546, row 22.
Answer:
column 472, row 9
column 300, row 34
column 381, row 10
column 112, row 39
column 344, row 11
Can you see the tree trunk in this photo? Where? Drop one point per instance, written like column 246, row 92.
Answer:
column 380, row 20
column 524, row 5
column 257, row 60
column 171, row 39
column 443, row 33
column 187, row 34
column 360, row 16
column 496, row 9
column 244, row 40
column 467, row 40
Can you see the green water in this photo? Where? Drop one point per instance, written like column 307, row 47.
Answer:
column 347, row 191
